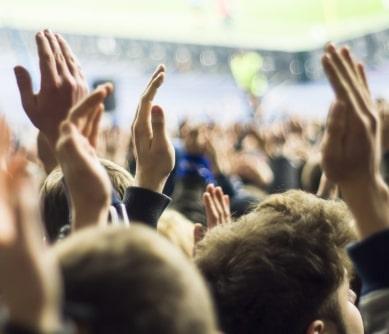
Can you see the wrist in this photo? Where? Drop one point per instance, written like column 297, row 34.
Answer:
column 368, row 200
column 82, row 218
column 156, row 185
column 368, row 183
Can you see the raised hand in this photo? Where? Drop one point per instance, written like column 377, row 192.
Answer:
column 153, row 150
column 29, row 280
column 217, row 211
column 62, row 85
column 351, row 147
column 87, row 181
column 87, row 114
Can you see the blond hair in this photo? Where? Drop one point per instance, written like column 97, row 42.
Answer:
column 134, row 281
column 54, row 203
column 178, row 230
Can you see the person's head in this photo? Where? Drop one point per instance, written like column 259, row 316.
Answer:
column 282, row 268
column 178, row 230
column 130, row 280
column 54, row 203
column 308, row 213
column 195, row 139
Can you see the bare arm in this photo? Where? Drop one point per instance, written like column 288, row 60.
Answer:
column 87, row 181
column 153, row 150
column 352, row 143
column 29, row 280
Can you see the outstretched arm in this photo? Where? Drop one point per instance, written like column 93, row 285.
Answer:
column 86, row 179
column 154, row 155
column 352, row 143
column 351, row 157
column 153, row 150
column 29, row 280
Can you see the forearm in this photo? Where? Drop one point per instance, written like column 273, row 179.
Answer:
column 46, row 153
column 82, row 217
column 148, row 181
column 368, row 200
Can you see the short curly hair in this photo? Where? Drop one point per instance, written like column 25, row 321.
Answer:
column 277, row 268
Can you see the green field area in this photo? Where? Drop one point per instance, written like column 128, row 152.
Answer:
column 273, row 24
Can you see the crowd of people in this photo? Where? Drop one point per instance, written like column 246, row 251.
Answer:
column 241, row 229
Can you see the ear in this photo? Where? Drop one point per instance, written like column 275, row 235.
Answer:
column 316, row 327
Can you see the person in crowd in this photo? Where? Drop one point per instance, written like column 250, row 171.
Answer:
column 63, row 84
column 54, row 201
column 134, row 282
column 245, row 261
column 171, row 296
column 187, row 306
column 352, row 153
column 123, row 280
column 283, row 267
column 30, row 284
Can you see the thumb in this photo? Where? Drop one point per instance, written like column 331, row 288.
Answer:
column 158, row 122
column 24, row 82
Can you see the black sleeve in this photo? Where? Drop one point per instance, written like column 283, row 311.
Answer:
column 144, row 205
column 370, row 258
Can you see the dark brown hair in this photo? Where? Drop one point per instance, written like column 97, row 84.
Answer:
column 278, row 268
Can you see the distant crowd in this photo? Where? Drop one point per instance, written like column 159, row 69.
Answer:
column 273, row 229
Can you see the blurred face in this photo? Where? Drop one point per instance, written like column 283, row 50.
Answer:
column 195, row 141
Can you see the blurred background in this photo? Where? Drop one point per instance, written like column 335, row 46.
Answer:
column 226, row 59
